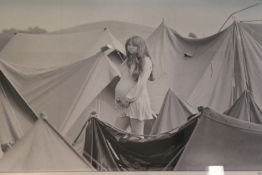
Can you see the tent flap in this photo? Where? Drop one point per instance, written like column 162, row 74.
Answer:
column 116, row 151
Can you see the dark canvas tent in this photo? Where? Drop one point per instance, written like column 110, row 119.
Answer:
column 42, row 149
column 116, row 151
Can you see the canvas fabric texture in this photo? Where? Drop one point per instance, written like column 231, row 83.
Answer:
column 222, row 140
column 16, row 117
column 121, row 30
column 173, row 114
column 42, row 150
column 212, row 71
column 63, row 92
column 172, row 69
column 215, row 139
column 53, row 50
column 115, row 150
column 233, row 73
column 245, row 108
column 55, row 74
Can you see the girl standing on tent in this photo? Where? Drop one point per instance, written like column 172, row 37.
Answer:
column 131, row 92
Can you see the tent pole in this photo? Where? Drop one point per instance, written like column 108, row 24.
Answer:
column 236, row 13
column 255, row 20
column 92, row 114
column 82, row 129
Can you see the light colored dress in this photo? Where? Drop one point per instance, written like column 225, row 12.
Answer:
column 128, row 89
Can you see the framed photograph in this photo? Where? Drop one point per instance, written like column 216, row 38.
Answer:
column 130, row 85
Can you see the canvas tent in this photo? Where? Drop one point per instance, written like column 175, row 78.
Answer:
column 175, row 70
column 245, row 108
column 121, row 30
column 61, row 80
column 42, row 149
column 4, row 39
column 57, row 61
column 167, row 50
column 197, row 69
column 65, row 92
column 117, row 152
column 173, row 114
column 212, row 71
column 236, row 71
column 208, row 139
column 16, row 117
column 52, row 50
column 56, row 75
column 52, row 71
column 224, row 141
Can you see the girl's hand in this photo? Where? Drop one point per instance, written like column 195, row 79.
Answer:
column 124, row 104
column 118, row 101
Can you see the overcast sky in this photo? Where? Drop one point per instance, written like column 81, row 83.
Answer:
column 202, row 17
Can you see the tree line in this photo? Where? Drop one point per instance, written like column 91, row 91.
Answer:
column 32, row 30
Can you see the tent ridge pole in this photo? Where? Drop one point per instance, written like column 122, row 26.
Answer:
column 235, row 12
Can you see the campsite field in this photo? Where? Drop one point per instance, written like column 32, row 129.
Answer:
column 57, row 87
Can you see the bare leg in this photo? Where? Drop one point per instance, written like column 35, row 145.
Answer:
column 122, row 123
column 137, row 127
column 1, row 153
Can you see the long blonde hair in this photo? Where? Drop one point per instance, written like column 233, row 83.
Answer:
column 137, row 58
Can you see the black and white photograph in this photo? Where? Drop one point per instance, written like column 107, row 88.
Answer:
column 131, row 85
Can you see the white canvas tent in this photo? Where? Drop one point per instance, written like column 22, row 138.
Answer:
column 245, row 108
column 238, row 70
column 121, row 30
column 65, row 92
column 42, row 149
column 173, row 114
column 16, row 117
column 52, row 71
column 52, row 50
column 180, row 62
column 212, row 71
